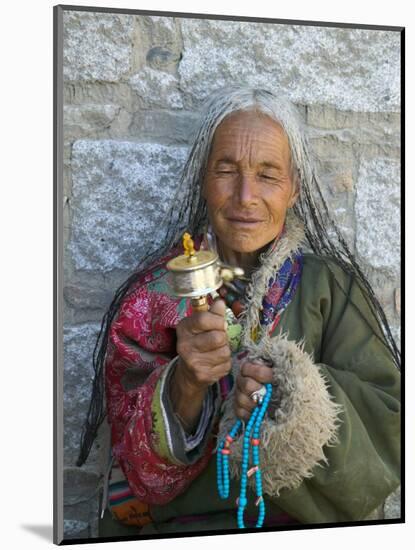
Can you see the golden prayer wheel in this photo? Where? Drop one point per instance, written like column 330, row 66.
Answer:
column 195, row 274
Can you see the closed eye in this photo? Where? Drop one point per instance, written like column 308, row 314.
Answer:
column 266, row 177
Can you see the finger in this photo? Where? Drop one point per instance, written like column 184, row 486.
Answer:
column 221, row 370
column 202, row 321
column 211, row 374
column 213, row 358
column 210, row 340
column 244, row 402
column 242, row 414
column 218, row 307
column 243, row 406
column 247, row 385
column 259, row 372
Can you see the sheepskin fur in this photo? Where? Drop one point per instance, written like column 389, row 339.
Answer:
column 304, row 416
column 304, row 421
column 270, row 263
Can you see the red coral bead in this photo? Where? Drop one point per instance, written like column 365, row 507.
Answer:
column 237, row 308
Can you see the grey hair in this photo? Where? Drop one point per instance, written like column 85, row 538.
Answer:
column 188, row 204
column 323, row 236
column 188, row 212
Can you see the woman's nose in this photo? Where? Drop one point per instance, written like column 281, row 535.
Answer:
column 247, row 189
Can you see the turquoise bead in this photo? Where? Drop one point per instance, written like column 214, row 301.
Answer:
column 252, row 430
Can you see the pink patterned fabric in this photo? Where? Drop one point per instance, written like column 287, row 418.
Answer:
column 143, row 336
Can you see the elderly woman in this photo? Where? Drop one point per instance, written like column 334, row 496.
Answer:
column 306, row 323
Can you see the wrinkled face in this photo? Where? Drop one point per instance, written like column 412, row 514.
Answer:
column 248, row 186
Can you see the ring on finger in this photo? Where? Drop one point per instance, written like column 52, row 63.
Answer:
column 258, row 395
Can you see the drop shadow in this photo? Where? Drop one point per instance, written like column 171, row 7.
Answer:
column 43, row 531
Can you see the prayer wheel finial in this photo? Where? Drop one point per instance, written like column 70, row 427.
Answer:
column 188, row 245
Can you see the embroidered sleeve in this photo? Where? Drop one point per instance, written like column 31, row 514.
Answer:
column 176, row 444
column 141, row 345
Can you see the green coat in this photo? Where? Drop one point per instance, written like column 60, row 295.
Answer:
column 363, row 467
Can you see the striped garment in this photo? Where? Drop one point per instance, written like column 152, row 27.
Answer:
column 122, row 503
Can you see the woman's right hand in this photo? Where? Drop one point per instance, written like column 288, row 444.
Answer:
column 203, row 348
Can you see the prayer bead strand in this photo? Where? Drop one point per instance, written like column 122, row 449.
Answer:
column 251, row 441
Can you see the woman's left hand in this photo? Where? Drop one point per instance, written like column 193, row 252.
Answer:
column 251, row 378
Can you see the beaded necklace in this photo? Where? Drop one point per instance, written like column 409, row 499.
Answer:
column 251, row 438
column 281, row 288
column 233, row 294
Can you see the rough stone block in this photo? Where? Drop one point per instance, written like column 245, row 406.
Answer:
column 396, row 333
column 337, row 174
column 344, row 221
column 157, row 89
column 120, row 196
column 98, row 93
column 161, row 126
column 80, row 520
column 162, row 58
column 352, row 69
column 162, row 31
column 79, row 343
column 81, row 297
column 80, row 485
column 373, row 126
column 377, row 210
column 328, row 144
column 160, row 44
column 369, row 139
column 383, row 285
column 81, row 121
column 97, row 46
column 398, row 301
column 392, row 508
column 340, row 205
column 329, row 118
column 336, row 178
column 75, row 529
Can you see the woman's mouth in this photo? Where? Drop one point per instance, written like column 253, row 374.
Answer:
column 244, row 222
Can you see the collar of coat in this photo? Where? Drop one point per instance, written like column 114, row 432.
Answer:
column 270, row 262
column 306, row 419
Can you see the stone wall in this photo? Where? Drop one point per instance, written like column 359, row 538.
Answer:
column 132, row 89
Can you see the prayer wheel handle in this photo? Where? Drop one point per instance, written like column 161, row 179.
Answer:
column 200, row 303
